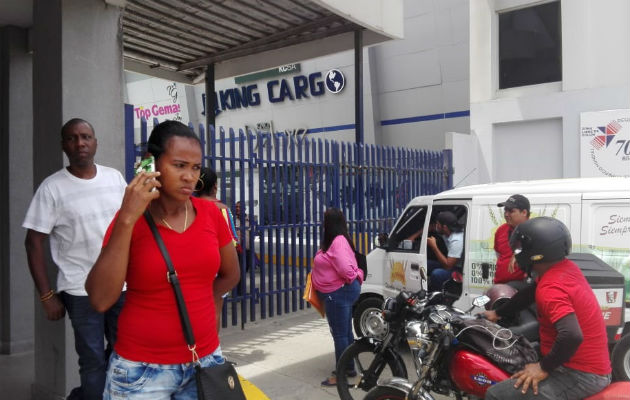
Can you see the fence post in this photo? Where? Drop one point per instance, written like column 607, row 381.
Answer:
column 130, row 147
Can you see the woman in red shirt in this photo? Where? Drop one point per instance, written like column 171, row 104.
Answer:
column 151, row 358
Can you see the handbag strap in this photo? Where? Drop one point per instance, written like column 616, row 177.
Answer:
column 171, row 276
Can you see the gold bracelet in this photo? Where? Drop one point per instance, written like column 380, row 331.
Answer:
column 47, row 296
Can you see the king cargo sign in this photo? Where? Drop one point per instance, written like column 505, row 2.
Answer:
column 605, row 143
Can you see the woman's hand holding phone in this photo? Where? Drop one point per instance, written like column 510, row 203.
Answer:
column 138, row 194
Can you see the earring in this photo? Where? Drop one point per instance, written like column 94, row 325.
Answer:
column 197, row 188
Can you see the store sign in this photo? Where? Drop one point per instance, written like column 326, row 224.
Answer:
column 157, row 110
column 605, row 143
column 256, row 76
column 155, row 98
column 278, row 91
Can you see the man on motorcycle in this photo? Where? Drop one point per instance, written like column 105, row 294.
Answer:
column 573, row 342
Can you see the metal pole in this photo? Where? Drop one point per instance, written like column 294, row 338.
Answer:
column 358, row 86
column 358, row 124
column 209, row 97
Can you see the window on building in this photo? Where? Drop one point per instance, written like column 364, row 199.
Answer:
column 530, row 46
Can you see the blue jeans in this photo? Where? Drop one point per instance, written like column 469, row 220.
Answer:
column 437, row 275
column 338, row 305
column 91, row 328
column 147, row 381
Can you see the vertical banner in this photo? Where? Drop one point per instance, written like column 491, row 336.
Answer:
column 605, row 143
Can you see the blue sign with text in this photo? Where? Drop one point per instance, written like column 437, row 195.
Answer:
column 278, row 90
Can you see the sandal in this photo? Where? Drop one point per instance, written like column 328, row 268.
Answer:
column 328, row 382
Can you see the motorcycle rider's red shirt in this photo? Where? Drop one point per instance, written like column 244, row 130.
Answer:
column 563, row 290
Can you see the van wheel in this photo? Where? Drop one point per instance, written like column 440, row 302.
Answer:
column 620, row 359
column 368, row 318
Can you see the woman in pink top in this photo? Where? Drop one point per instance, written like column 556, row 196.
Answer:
column 337, row 279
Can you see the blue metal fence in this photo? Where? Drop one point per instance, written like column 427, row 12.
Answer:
column 285, row 184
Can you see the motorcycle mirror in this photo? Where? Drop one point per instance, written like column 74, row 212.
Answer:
column 481, row 301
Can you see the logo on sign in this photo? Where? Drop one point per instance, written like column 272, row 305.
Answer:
column 335, row 81
column 611, row 297
column 605, row 143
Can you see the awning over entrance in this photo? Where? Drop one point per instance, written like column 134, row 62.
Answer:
column 176, row 39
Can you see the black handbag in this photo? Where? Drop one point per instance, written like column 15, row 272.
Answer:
column 362, row 263
column 218, row 382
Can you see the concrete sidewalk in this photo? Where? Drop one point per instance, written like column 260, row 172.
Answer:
column 286, row 357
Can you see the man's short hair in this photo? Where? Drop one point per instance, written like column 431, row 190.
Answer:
column 447, row 218
column 73, row 122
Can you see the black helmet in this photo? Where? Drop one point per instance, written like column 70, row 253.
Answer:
column 542, row 239
column 499, row 294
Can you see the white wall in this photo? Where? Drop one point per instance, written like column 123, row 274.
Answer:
column 595, row 70
column 425, row 74
column 528, row 150
column 465, row 150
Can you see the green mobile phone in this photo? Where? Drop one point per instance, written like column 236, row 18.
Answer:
column 146, row 164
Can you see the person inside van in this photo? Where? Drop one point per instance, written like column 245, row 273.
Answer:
column 415, row 238
column 440, row 270
column 516, row 211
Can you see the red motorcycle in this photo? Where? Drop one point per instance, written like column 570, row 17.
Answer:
column 456, row 353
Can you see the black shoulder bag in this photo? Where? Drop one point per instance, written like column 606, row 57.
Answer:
column 362, row 263
column 218, row 382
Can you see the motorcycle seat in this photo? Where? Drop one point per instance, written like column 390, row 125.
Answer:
column 614, row 391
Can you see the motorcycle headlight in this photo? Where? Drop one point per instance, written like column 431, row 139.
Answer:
column 417, row 335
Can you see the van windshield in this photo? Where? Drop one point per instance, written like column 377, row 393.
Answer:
column 408, row 232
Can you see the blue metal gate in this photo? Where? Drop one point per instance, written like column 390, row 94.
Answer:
column 285, row 184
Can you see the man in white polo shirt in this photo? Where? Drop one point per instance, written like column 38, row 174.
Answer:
column 72, row 208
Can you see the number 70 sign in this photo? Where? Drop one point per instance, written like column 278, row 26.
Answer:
column 605, row 143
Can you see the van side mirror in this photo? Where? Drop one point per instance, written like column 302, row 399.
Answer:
column 381, row 240
column 485, row 270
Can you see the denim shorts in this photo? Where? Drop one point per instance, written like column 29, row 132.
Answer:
column 147, row 381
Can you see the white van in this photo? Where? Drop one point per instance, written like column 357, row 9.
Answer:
column 596, row 211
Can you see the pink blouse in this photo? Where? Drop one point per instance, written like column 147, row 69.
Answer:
column 335, row 267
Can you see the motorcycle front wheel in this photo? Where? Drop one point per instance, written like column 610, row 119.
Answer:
column 370, row 365
column 385, row 393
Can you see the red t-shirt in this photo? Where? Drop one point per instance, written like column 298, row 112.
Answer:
column 149, row 327
column 563, row 290
column 504, row 255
